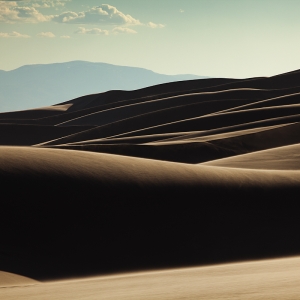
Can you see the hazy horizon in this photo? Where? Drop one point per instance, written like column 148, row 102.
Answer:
column 213, row 38
column 95, row 62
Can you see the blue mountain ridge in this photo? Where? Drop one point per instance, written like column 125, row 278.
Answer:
column 40, row 85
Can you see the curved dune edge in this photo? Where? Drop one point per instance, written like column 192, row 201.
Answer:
column 12, row 280
column 266, row 279
column 114, row 169
column 64, row 107
column 281, row 158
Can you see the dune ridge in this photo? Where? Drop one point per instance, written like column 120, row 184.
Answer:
column 14, row 280
column 266, row 279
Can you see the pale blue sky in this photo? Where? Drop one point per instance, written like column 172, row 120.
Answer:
column 220, row 38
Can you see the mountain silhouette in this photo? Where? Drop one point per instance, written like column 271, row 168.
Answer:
column 42, row 85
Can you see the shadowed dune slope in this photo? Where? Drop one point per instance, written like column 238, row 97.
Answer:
column 189, row 148
column 27, row 135
column 179, row 174
column 72, row 213
column 205, row 107
column 38, row 113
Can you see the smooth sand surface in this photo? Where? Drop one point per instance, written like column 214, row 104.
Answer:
column 33, row 161
column 281, row 158
column 13, row 280
column 269, row 279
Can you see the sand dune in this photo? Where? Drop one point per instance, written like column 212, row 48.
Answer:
column 195, row 147
column 13, row 280
column 282, row 158
column 176, row 175
column 269, row 279
column 28, row 134
column 59, row 202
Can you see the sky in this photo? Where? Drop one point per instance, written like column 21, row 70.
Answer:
column 216, row 38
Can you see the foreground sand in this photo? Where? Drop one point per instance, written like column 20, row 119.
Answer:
column 269, row 279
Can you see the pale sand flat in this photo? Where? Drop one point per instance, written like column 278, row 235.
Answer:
column 266, row 279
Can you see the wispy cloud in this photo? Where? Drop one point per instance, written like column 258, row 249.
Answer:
column 104, row 14
column 181, row 10
column 153, row 25
column 41, row 3
column 48, row 4
column 65, row 37
column 30, row 14
column 123, row 30
column 97, row 31
column 13, row 34
column 10, row 12
column 46, row 34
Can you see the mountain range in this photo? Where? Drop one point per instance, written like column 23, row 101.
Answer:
column 47, row 84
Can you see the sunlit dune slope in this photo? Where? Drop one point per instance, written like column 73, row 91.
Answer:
column 282, row 158
column 261, row 280
column 14, row 280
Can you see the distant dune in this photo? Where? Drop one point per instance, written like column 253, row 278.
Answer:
column 182, row 174
column 31, row 86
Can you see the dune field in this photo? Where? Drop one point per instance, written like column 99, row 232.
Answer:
column 185, row 190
